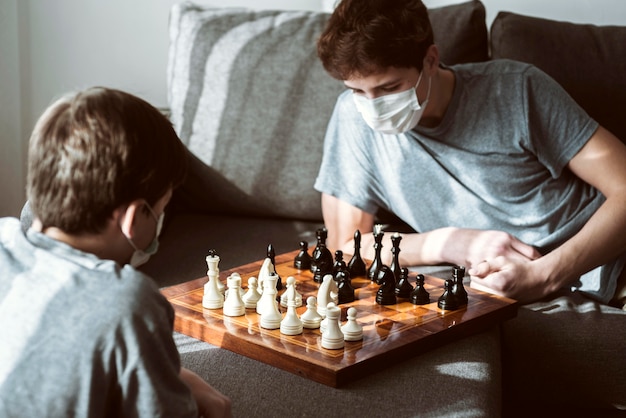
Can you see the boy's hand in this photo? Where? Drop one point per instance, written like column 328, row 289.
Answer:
column 211, row 402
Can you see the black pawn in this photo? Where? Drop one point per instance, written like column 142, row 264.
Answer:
column 322, row 260
column 395, row 250
column 345, row 292
column 419, row 295
column 447, row 301
column 302, row 260
column 386, row 294
column 458, row 273
column 271, row 254
column 339, row 263
column 356, row 265
column 403, row 286
column 372, row 273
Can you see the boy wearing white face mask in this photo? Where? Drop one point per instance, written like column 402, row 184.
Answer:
column 496, row 167
column 84, row 333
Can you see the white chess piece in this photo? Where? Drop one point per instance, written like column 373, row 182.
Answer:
column 291, row 292
column 252, row 296
column 332, row 337
column 328, row 292
column 267, row 269
column 311, row 318
column 212, row 297
column 233, row 305
column 291, row 324
column 270, row 316
column 352, row 330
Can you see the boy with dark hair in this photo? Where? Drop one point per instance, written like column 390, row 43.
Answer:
column 498, row 169
column 84, row 333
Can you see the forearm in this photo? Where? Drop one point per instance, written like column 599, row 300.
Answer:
column 601, row 239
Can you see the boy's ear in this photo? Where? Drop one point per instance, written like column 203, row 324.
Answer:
column 125, row 216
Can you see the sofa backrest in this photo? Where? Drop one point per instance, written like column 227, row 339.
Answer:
column 588, row 61
column 250, row 99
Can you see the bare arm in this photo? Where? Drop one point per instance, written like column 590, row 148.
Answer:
column 601, row 163
column 211, row 402
column 451, row 245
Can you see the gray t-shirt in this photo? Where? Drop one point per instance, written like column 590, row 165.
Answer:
column 496, row 161
column 82, row 336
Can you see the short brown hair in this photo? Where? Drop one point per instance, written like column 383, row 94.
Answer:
column 96, row 150
column 365, row 36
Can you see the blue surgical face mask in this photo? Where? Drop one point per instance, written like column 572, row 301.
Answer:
column 140, row 257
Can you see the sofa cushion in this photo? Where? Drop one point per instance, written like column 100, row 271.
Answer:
column 588, row 61
column 250, row 99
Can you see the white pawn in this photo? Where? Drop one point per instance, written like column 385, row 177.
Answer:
column 270, row 316
column 332, row 337
column 212, row 297
column 252, row 296
column 325, row 320
column 241, row 289
column 267, row 300
column 327, row 293
column 233, row 305
column 291, row 324
column 352, row 330
column 291, row 292
column 311, row 318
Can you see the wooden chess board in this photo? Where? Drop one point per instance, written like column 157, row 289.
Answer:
column 390, row 333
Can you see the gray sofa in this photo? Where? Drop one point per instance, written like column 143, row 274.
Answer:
column 251, row 101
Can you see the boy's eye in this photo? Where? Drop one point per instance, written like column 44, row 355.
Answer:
column 389, row 89
column 357, row 91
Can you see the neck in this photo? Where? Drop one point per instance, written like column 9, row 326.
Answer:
column 440, row 97
column 98, row 244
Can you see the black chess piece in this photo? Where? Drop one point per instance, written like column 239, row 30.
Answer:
column 403, row 286
column 458, row 290
column 395, row 261
column 447, row 301
column 339, row 263
column 419, row 295
column 372, row 272
column 271, row 254
column 356, row 265
column 386, row 294
column 345, row 292
column 302, row 260
column 322, row 260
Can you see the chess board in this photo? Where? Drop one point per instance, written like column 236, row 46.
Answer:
column 391, row 333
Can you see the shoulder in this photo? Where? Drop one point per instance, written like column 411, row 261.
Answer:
column 9, row 229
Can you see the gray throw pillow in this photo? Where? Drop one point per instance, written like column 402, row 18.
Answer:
column 588, row 61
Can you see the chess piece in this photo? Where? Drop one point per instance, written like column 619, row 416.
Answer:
column 267, row 269
column 386, row 294
column 270, row 315
column 419, row 295
column 302, row 261
column 322, row 259
column 252, row 296
column 403, row 285
column 212, row 297
column 291, row 324
column 271, row 254
column 311, row 318
column 291, row 292
column 339, row 263
column 352, row 330
column 345, row 291
column 458, row 290
column 395, row 251
column 447, row 301
column 234, row 305
column 326, row 293
column 377, row 263
column 267, row 300
column 332, row 337
column 356, row 265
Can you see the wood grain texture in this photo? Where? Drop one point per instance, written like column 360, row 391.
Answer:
column 391, row 333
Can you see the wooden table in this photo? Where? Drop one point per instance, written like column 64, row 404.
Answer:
column 391, row 333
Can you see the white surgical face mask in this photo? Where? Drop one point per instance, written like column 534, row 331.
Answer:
column 140, row 257
column 393, row 113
